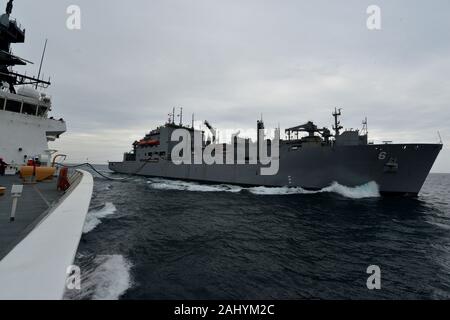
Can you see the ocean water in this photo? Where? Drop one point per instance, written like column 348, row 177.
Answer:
column 148, row 238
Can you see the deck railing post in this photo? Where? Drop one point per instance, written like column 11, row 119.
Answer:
column 16, row 193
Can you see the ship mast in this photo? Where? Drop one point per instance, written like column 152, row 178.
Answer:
column 9, row 7
column 365, row 129
column 42, row 61
column 11, row 32
column 181, row 116
column 337, row 124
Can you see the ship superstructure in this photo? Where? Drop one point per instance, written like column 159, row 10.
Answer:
column 25, row 124
column 41, row 213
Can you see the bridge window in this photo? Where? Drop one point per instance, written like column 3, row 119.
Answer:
column 42, row 111
column 13, row 106
column 29, row 109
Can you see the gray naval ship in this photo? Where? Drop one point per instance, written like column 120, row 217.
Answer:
column 310, row 157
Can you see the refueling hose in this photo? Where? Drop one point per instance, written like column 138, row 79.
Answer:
column 87, row 164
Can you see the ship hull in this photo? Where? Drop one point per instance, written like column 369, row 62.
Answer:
column 312, row 167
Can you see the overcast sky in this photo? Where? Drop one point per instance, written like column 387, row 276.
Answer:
column 229, row 61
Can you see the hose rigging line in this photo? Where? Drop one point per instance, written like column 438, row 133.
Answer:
column 87, row 164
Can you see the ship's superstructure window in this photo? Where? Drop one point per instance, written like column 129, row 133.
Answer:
column 42, row 111
column 13, row 106
column 23, row 107
column 29, row 109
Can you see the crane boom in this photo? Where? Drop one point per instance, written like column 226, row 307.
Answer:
column 211, row 129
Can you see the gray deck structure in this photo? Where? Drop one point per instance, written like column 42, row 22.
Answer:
column 32, row 207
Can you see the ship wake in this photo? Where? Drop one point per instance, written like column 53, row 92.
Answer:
column 95, row 216
column 105, row 277
column 368, row 190
column 161, row 184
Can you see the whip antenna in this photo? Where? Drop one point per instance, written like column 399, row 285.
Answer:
column 42, row 60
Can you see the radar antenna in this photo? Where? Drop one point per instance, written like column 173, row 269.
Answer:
column 12, row 33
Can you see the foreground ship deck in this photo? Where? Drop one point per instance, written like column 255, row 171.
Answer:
column 40, row 244
column 33, row 206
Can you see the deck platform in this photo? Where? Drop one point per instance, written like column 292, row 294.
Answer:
column 32, row 207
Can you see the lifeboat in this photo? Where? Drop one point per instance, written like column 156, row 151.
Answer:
column 150, row 142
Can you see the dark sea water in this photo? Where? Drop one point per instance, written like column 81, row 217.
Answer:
column 159, row 239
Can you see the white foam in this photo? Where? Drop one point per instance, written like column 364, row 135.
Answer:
column 104, row 188
column 278, row 190
column 93, row 218
column 368, row 190
column 111, row 278
column 440, row 225
column 190, row 186
column 107, row 277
